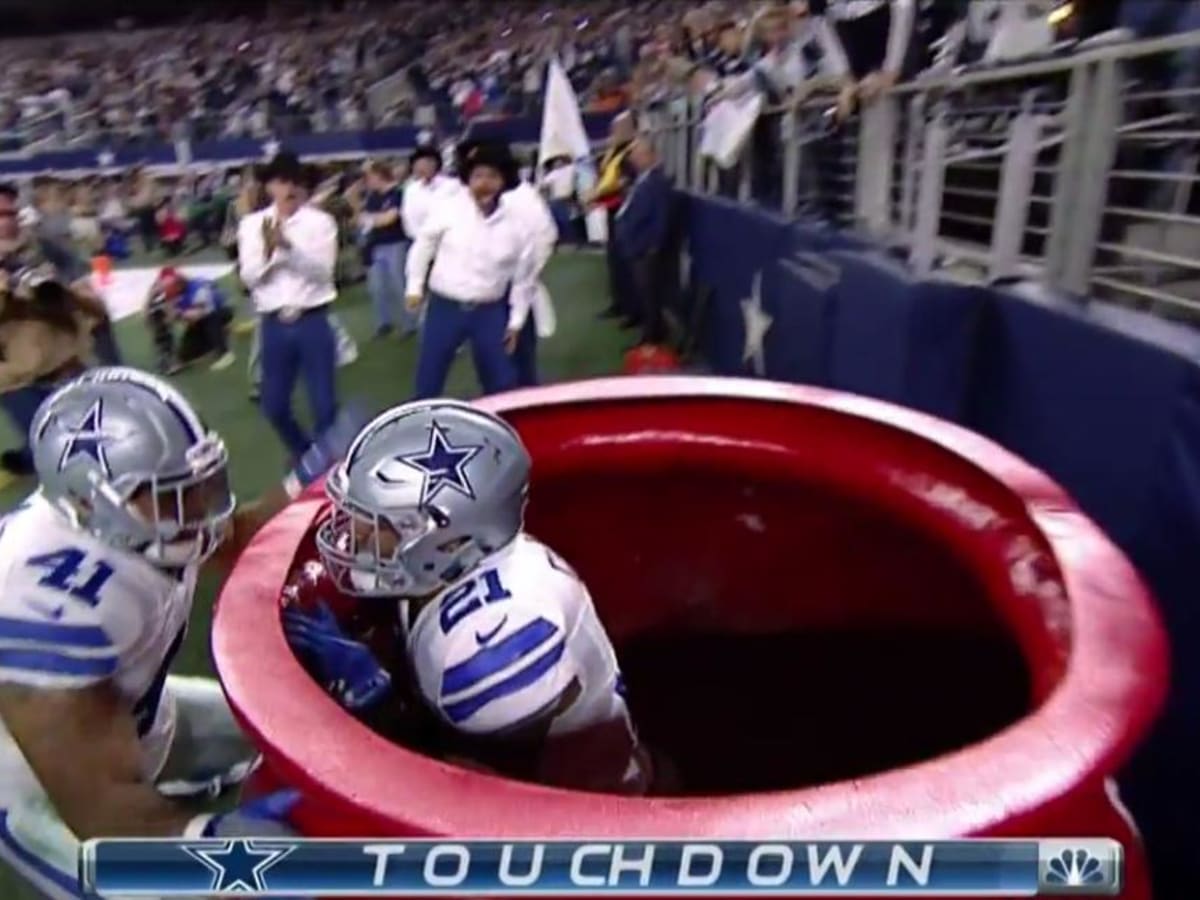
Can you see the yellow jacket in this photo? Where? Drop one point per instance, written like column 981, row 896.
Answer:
column 609, row 186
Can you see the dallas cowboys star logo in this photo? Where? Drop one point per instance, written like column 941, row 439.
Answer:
column 88, row 438
column 442, row 465
column 238, row 866
column 757, row 323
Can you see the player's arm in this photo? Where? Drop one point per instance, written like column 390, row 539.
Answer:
column 318, row 459
column 246, row 523
column 83, row 748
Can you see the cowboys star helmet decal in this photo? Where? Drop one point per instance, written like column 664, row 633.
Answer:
column 88, row 438
column 442, row 464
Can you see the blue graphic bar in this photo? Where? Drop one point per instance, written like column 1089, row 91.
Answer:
column 331, row 868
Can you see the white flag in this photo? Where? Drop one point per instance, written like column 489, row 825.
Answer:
column 563, row 135
column 727, row 127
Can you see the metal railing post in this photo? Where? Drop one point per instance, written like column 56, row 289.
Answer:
column 929, row 196
column 873, row 172
column 1098, row 153
column 697, row 179
column 790, row 139
column 1016, row 189
column 1066, row 184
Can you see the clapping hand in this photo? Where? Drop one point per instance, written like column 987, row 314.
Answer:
column 273, row 238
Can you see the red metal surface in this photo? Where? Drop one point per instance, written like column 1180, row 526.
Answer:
column 674, row 549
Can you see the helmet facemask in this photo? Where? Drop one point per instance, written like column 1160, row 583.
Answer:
column 405, row 553
column 173, row 520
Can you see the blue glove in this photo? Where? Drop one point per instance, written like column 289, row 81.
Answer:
column 347, row 668
column 265, row 817
column 330, row 446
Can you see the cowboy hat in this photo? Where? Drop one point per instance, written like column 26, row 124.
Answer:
column 284, row 166
column 493, row 154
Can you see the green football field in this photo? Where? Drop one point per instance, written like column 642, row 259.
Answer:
column 584, row 346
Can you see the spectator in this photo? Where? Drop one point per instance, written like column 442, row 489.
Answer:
column 48, row 247
column 45, row 338
column 876, row 37
column 425, row 188
column 609, row 193
column 385, row 246
column 143, row 203
column 201, row 307
column 172, row 230
column 113, row 215
column 641, row 232
column 558, row 186
column 531, row 312
column 471, row 247
column 286, row 257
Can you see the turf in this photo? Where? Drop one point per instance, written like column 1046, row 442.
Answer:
column 383, row 375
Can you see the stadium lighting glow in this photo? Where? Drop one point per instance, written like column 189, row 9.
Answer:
column 1061, row 14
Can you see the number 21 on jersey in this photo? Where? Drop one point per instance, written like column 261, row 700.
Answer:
column 463, row 600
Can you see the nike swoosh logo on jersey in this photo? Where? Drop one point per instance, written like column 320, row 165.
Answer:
column 484, row 638
column 50, row 612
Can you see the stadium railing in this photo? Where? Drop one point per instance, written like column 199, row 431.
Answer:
column 1077, row 170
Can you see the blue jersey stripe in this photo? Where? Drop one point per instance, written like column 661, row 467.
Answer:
column 52, row 663
column 464, row 709
column 492, row 660
column 53, row 633
column 64, row 882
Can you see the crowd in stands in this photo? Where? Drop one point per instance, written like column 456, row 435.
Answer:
column 362, row 64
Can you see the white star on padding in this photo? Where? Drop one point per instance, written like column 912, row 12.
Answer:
column 757, row 324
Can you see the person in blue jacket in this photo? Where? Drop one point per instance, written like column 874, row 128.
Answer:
column 642, row 225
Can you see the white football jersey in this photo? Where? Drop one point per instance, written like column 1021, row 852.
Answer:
column 499, row 647
column 75, row 612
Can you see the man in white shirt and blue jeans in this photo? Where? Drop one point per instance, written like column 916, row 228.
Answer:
column 286, row 258
column 476, row 246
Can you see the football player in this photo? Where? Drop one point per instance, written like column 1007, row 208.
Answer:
column 502, row 641
column 97, row 572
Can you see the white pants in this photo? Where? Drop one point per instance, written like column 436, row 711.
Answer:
column 208, row 754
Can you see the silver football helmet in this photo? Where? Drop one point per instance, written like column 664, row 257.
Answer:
column 126, row 458
column 426, row 491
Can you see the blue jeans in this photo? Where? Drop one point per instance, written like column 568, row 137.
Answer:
column 385, row 284
column 304, row 347
column 525, row 355
column 448, row 324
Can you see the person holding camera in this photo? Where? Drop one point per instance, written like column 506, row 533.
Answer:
column 204, row 312
column 45, row 339
column 42, row 246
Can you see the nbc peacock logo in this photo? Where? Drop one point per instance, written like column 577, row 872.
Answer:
column 1082, row 867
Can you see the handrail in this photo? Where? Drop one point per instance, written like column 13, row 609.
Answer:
column 1082, row 165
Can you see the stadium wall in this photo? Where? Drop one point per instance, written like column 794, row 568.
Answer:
column 1105, row 400
column 172, row 157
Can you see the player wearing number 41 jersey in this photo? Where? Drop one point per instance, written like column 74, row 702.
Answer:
column 501, row 638
column 97, row 573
